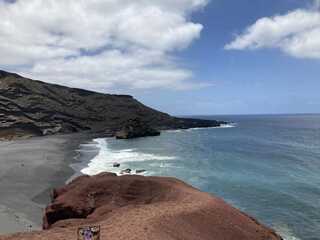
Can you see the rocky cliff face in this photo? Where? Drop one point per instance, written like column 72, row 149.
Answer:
column 29, row 107
column 137, row 207
column 134, row 128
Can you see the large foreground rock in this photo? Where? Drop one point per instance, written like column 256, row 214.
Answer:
column 144, row 208
column 34, row 108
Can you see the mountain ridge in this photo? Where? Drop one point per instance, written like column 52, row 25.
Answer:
column 35, row 108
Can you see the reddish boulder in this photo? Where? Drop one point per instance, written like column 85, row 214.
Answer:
column 137, row 207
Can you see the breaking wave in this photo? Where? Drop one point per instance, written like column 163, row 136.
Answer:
column 104, row 160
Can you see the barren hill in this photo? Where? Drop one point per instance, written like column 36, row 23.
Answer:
column 29, row 107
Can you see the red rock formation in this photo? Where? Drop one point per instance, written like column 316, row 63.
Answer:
column 137, row 207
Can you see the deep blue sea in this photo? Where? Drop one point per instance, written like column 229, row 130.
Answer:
column 267, row 166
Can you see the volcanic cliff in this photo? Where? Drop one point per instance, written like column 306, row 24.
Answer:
column 144, row 208
column 35, row 108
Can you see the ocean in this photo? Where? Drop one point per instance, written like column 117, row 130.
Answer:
column 266, row 165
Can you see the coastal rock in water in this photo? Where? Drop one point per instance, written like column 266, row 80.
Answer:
column 116, row 165
column 140, row 171
column 135, row 128
column 34, row 108
column 126, row 171
column 136, row 207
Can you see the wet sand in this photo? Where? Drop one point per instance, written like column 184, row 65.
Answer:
column 29, row 169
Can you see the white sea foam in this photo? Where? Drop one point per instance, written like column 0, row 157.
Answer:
column 285, row 232
column 104, row 160
column 174, row 131
column 228, row 125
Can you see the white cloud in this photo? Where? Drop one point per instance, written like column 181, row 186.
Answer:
column 99, row 44
column 296, row 33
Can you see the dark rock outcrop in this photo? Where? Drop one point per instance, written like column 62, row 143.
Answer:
column 34, row 108
column 136, row 207
column 116, row 165
column 126, row 171
column 135, row 128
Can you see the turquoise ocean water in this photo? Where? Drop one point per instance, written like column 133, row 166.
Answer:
column 267, row 166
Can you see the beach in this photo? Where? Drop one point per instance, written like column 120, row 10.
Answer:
column 29, row 169
column 262, row 166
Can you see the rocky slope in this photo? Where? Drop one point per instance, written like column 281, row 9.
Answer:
column 134, row 128
column 137, row 207
column 29, row 107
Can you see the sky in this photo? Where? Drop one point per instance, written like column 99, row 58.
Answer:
column 184, row 57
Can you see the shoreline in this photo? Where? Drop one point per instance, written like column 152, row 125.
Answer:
column 222, row 126
column 90, row 150
column 83, row 157
column 29, row 170
column 64, row 151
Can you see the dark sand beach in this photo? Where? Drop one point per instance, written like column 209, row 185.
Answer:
column 29, row 169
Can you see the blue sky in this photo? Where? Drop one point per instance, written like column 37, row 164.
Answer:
column 244, row 82
column 185, row 57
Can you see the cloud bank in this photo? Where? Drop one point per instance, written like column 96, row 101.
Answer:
column 296, row 33
column 99, row 44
